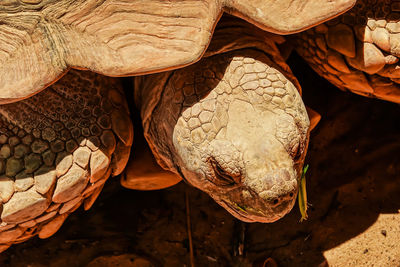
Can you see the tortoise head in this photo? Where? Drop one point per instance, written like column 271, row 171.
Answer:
column 251, row 166
column 235, row 127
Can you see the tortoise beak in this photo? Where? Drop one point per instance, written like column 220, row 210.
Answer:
column 254, row 208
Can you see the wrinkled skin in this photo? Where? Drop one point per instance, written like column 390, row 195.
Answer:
column 233, row 126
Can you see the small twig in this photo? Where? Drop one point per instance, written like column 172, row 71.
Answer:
column 189, row 227
column 239, row 236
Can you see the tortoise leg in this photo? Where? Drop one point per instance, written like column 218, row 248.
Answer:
column 233, row 125
column 358, row 51
column 57, row 149
column 143, row 172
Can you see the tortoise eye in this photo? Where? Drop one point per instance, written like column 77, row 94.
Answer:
column 221, row 177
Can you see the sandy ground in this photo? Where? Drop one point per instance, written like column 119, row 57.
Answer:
column 353, row 188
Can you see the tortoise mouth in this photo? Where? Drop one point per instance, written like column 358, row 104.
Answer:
column 247, row 215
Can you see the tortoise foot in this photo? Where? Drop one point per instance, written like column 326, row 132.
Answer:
column 143, row 173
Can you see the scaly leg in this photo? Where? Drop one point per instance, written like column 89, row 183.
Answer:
column 57, row 150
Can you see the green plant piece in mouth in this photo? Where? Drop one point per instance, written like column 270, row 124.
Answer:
column 302, row 197
column 241, row 208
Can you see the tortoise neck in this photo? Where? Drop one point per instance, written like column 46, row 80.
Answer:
column 233, row 33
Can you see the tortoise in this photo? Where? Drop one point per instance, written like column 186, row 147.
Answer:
column 232, row 124
column 359, row 50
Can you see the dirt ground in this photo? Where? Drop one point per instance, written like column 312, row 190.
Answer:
column 353, row 188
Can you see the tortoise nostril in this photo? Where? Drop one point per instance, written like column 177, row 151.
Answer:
column 282, row 199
